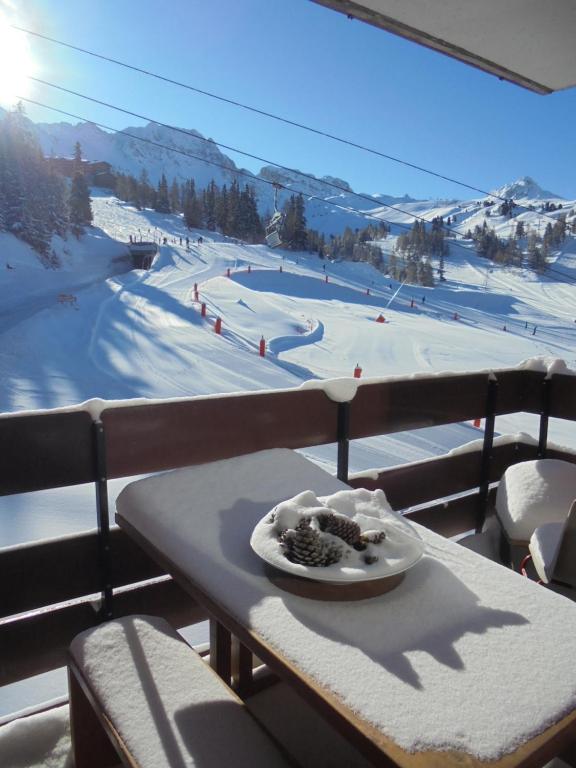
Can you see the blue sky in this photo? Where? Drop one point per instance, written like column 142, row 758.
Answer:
column 312, row 65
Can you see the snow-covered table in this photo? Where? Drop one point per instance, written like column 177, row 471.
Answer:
column 464, row 663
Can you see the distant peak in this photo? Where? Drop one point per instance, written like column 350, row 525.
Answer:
column 525, row 188
column 337, row 182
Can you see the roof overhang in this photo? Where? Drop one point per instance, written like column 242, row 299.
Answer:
column 528, row 42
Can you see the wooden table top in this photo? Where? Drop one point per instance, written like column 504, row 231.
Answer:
column 187, row 519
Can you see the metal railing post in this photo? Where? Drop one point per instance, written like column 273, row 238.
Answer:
column 486, row 458
column 544, row 417
column 343, row 432
column 103, row 521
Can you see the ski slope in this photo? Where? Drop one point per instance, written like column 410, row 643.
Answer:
column 141, row 334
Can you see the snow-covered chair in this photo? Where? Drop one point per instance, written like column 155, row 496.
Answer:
column 532, row 493
column 138, row 692
column 553, row 551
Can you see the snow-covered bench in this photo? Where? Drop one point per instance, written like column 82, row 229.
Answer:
column 140, row 694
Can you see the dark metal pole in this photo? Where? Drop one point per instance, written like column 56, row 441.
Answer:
column 103, row 521
column 544, row 417
column 343, row 431
column 486, row 452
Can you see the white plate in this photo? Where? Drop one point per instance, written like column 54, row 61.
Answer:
column 401, row 550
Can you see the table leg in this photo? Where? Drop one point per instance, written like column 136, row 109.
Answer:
column 220, row 651
column 241, row 668
column 569, row 755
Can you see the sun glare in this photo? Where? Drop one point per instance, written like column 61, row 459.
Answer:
column 16, row 65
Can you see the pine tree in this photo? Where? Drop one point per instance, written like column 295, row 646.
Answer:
column 162, row 200
column 209, row 205
column 232, row 223
column 294, row 232
column 221, row 209
column 77, row 158
column 192, row 207
column 80, row 205
column 175, row 197
column 145, row 193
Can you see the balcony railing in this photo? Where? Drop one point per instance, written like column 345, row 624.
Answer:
column 54, row 589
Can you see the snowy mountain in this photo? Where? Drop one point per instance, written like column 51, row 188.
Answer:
column 525, row 189
column 306, row 183
column 200, row 158
column 331, row 204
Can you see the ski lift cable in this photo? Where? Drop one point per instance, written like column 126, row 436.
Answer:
column 267, row 114
column 302, row 174
column 239, row 172
column 244, row 153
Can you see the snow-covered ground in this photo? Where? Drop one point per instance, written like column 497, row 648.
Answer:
column 140, row 334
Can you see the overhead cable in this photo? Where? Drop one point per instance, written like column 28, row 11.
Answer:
column 263, row 113
column 239, row 172
column 235, row 171
column 324, row 182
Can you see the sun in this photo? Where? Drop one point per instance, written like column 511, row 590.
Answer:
column 16, row 64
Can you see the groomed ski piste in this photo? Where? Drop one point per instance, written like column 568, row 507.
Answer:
column 140, row 334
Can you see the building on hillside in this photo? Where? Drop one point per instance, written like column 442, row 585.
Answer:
column 98, row 173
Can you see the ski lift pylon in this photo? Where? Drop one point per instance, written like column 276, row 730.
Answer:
column 274, row 226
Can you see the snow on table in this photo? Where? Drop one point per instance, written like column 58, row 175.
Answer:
column 439, row 663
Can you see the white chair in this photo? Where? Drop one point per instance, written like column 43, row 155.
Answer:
column 532, row 493
column 553, row 551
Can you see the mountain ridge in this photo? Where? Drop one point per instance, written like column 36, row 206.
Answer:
column 181, row 154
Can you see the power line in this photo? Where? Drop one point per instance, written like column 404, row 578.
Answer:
column 308, row 176
column 230, row 148
column 264, row 113
column 251, row 177
column 236, row 171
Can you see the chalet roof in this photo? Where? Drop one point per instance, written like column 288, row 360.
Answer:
column 527, row 42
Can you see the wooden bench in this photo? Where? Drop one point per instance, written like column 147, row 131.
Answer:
column 140, row 694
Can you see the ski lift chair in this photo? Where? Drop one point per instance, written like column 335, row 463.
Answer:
column 273, row 238
column 553, row 552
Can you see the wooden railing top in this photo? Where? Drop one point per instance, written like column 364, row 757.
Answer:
column 56, row 448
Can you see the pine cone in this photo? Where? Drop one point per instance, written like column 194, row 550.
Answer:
column 372, row 537
column 304, row 545
column 341, row 526
column 332, row 553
